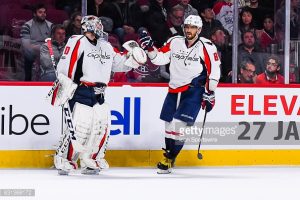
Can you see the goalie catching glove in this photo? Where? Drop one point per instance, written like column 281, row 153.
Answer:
column 136, row 56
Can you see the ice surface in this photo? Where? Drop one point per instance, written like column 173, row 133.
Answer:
column 243, row 183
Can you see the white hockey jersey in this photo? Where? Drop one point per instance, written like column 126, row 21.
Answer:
column 224, row 13
column 187, row 63
column 84, row 61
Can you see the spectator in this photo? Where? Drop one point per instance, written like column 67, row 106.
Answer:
column 218, row 37
column 224, row 13
column 258, row 13
column 268, row 35
column 246, row 23
column 73, row 26
column 271, row 74
column 58, row 44
column 127, row 18
column 99, row 8
column 294, row 21
column 248, row 51
column 172, row 27
column 144, row 5
column 247, row 72
column 33, row 35
column 188, row 9
column 156, row 21
column 175, row 20
column 209, row 21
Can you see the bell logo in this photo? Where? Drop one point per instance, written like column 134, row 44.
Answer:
column 124, row 120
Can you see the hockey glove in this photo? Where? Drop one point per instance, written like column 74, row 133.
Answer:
column 208, row 101
column 145, row 40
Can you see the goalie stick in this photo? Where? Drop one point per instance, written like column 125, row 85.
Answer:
column 66, row 107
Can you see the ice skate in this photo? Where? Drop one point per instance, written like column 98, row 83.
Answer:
column 64, row 166
column 63, row 172
column 165, row 166
column 89, row 166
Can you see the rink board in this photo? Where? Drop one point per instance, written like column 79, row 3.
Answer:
column 30, row 127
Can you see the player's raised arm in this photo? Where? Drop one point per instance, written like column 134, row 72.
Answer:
column 159, row 56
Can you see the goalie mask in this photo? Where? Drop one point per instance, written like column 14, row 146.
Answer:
column 92, row 24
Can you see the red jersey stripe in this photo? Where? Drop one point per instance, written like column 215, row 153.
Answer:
column 165, row 48
column 207, row 60
column 54, row 95
column 180, row 89
column 73, row 59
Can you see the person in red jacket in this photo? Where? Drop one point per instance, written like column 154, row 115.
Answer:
column 271, row 74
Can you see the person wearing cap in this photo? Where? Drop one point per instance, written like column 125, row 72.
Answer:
column 194, row 76
column 219, row 38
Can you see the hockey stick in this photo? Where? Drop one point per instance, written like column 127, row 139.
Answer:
column 202, row 131
column 66, row 107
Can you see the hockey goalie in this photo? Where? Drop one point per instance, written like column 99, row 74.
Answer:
column 83, row 74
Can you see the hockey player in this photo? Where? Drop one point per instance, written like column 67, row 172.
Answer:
column 194, row 63
column 83, row 73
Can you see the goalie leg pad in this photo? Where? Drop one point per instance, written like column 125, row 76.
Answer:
column 98, row 139
column 82, row 118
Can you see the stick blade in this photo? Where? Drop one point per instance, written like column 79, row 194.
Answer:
column 200, row 157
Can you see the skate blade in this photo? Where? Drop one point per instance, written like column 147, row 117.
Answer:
column 161, row 171
column 90, row 171
column 63, row 172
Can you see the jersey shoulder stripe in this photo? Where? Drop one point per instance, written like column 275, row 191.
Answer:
column 74, row 54
column 166, row 47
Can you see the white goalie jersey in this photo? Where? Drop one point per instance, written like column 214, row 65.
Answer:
column 84, row 61
column 188, row 63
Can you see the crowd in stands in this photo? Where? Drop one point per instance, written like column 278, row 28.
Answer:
column 28, row 23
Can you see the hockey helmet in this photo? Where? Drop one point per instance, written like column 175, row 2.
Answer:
column 193, row 20
column 92, row 24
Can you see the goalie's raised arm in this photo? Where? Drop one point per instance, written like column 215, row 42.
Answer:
column 133, row 57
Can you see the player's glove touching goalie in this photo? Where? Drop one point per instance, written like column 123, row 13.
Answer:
column 208, row 101
column 145, row 40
